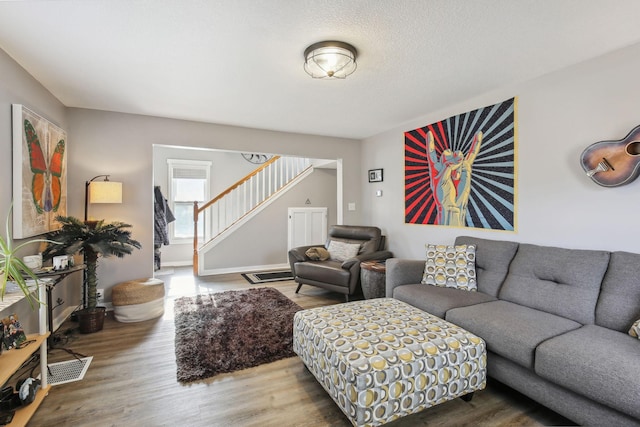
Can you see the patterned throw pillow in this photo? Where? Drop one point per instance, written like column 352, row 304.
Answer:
column 342, row 251
column 635, row 329
column 451, row 267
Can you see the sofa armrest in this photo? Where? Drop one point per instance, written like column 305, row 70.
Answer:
column 403, row 272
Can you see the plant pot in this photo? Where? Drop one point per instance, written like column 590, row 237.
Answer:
column 91, row 319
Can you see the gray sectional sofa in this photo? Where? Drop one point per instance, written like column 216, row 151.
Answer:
column 555, row 322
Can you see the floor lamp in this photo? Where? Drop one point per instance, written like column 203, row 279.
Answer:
column 101, row 192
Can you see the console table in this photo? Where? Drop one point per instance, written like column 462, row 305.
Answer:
column 51, row 278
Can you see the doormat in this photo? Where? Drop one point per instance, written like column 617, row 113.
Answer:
column 268, row 276
column 68, row 371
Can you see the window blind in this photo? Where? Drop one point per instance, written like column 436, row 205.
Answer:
column 189, row 173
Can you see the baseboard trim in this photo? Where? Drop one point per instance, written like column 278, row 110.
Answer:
column 243, row 269
column 177, row 263
column 66, row 313
column 60, row 318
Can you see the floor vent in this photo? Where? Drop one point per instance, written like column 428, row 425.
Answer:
column 68, row 371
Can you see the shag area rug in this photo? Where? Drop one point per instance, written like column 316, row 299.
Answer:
column 232, row 330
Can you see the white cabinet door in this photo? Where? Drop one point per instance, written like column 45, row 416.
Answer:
column 307, row 226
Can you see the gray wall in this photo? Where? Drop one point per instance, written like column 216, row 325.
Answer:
column 122, row 145
column 559, row 115
column 227, row 168
column 262, row 241
column 18, row 87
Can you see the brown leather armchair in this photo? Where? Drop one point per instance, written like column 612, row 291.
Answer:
column 339, row 275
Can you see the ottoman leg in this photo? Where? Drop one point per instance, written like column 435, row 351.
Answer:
column 298, row 288
column 467, row 397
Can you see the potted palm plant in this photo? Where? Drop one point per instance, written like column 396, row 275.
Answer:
column 94, row 239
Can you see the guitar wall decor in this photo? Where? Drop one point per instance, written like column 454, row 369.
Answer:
column 613, row 163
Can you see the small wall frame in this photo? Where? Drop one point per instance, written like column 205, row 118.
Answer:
column 375, row 175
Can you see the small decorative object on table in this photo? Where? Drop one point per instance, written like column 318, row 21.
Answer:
column 13, row 333
column 373, row 278
column 61, row 262
column 33, row 262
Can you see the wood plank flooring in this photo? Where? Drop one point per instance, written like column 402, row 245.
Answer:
column 132, row 381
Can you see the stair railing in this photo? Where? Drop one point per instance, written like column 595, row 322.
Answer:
column 245, row 195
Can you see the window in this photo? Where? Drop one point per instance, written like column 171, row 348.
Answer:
column 188, row 183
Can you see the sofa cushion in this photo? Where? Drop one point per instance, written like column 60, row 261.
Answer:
column 511, row 330
column 599, row 363
column 436, row 300
column 323, row 271
column 619, row 302
column 342, row 251
column 450, row 266
column 402, row 272
column 560, row 281
column 492, row 261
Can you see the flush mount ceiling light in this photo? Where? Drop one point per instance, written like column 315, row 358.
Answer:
column 330, row 60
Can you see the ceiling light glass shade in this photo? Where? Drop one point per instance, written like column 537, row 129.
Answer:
column 330, row 59
column 105, row 192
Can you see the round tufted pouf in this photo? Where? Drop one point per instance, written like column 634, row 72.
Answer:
column 138, row 300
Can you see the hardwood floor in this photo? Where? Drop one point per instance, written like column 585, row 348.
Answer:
column 132, row 381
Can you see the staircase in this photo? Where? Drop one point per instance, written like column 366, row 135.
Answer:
column 243, row 200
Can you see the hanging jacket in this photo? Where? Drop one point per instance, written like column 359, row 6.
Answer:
column 163, row 217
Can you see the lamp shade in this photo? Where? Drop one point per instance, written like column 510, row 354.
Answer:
column 105, row 192
column 330, row 59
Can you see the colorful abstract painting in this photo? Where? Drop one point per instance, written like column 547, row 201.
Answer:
column 461, row 171
column 39, row 173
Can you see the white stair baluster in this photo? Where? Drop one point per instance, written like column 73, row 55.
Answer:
column 251, row 193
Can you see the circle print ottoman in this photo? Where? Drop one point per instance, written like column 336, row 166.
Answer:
column 383, row 359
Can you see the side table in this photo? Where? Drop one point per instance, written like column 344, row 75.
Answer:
column 373, row 276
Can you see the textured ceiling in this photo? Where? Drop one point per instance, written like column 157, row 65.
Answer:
column 239, row 62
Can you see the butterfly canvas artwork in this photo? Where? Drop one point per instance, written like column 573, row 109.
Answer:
column 39, row 173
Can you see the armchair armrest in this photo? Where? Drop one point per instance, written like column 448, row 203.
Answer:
column 379, row 255
column 298, row 254
column 403, row 272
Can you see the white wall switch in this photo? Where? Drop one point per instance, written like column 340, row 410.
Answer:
column 352, row 206
column 378, row 193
